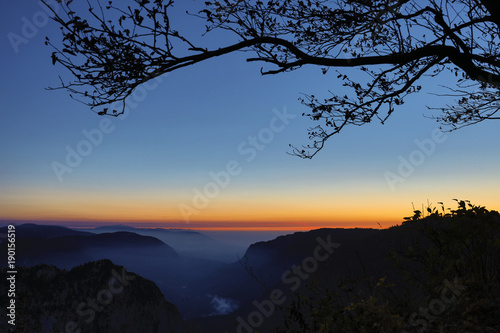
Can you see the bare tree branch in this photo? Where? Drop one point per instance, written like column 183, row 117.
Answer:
column 113, row 49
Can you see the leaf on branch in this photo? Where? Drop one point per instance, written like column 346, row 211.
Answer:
column 54, row 58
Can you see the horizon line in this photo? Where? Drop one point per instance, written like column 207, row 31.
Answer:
column 209, row 226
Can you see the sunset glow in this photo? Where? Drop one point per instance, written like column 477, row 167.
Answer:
column 221, row 127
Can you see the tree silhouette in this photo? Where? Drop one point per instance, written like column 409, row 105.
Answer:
column 113, row 48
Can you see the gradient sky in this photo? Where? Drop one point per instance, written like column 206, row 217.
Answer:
column 151, row 163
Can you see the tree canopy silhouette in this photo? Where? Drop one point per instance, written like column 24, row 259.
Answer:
column 117, row 46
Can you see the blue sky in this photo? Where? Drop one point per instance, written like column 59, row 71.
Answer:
column 179, row 130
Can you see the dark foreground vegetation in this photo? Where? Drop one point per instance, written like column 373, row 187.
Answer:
column 450, row 281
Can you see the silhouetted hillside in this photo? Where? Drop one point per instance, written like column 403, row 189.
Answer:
column 188, row 243
column 31, row 230
column 146, row 255
column 69, row 251
column 95, row 297
column 365, row 280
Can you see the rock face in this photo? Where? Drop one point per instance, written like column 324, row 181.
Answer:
column 94, row 297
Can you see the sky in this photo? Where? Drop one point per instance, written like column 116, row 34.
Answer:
column 206, row 148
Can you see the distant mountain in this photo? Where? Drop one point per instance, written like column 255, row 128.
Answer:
column 145, row 255
column 114, row 228
column 187, row 243
column 29, row 230
column 95, row 297
column 69, row 251
column 198, row 286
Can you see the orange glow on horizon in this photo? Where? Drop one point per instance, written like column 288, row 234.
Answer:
column 229, row 211
column 204, row 225
column 247, row 213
